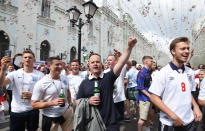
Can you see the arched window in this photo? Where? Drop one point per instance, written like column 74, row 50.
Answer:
column 2, row 1
column 44, row 50
column 4, row 43
column 45, row 10
column 72, row 53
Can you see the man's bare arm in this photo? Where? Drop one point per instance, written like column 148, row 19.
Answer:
column 41, row 104
column 160, row 104
column 5, row 62
column 125, row 56
column 196, row 110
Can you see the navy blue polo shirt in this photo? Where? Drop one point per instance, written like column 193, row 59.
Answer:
column 106, row 108
column 143, row 83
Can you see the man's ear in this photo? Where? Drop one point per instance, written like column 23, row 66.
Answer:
column 48, row 65
column 173, row 52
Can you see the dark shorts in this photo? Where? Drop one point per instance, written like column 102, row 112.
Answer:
column 190, row 127
column 131, row 93
column 113, row 127
column 120, row 108
column 47, row 122
column 25, row 120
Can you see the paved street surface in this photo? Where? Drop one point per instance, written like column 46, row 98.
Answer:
column 129, row 126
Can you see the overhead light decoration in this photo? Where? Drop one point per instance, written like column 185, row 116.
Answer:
column 193, row 6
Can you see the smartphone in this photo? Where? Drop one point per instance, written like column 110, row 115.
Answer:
column 7, row 53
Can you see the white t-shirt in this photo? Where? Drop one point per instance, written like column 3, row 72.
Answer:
column 74, row 83
column 154, row 74
column 63, row 72
column 131, row 75
column 21, row 82
column 9, row 86
column 48, row 89
column 195, row 73
column 119, row 90
column 202, row 90
column 85, row 74
column 175, row 90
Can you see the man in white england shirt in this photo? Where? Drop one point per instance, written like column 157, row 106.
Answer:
column 171, row 91
column 22, row 114
column 75, row 78
column 46, row 95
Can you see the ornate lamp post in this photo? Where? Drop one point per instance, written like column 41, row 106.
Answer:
column 74, row 15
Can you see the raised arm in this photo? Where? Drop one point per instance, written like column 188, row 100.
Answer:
column 125, row 56
column 5, row 62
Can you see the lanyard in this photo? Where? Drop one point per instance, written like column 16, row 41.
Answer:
column 57, row 88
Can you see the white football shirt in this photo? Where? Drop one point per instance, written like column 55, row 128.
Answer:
column 74, row 83
column 202, row 90
column 48, row 89
column 175, row 90
column 22, row 82
column 119, row 90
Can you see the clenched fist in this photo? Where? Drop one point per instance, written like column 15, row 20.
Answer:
column 5, row 62
column 131, row 42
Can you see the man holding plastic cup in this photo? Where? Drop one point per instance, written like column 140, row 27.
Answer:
column 22, row 114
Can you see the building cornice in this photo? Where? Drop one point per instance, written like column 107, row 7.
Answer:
column 60, row 10
column 46, row 21
column 8, row 8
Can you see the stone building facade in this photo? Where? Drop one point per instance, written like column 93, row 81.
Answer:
column 43, row 26
column 198, row 42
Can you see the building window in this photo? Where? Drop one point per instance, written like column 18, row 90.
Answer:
column 44, row 51
column 4, row 43
column 73, row 53
column 45, row 10
column 109, row 37
column 90, row 34
column 2, row 1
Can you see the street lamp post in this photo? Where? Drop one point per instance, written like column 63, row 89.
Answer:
column 74, row 14
column 79, row 39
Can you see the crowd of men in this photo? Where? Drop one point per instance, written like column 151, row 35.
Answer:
column 99, row 98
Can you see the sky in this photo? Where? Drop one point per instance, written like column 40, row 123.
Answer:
column 160, row 21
